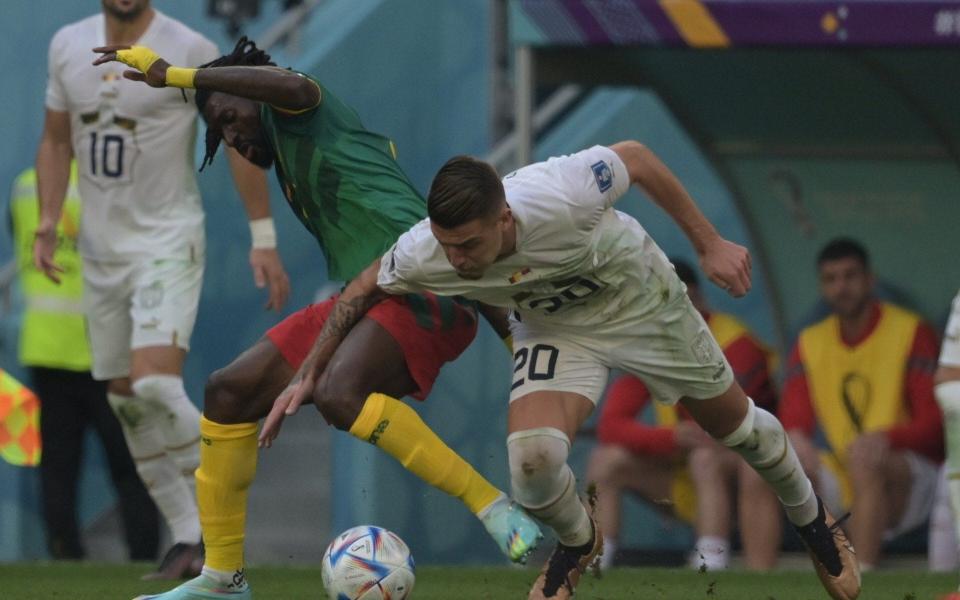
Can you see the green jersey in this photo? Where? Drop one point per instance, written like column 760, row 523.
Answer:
column 343, row 182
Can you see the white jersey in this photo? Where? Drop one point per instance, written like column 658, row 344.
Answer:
column 578, row 262
column 134, row 144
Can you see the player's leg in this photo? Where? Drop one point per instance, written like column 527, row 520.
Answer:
column 236, row 397
column 108, row 290
column 165, row 294
column 614, row 470
column 541, row 425
column 389, row 355
column 759, row 516
column 760, row 439
column 62, row 425
column 141, row 522
column 713, row 472
column 684, row 362
column 879, row 498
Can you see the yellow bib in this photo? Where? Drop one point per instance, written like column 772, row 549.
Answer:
column 53, row 332
column 859, row 389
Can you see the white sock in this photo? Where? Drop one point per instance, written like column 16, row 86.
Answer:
column 610, row 545
column 544, row 484
column 762, row 442
column 182, row 429
column 948, row 397
column 142, row 428
column 235, row 581
column 942, row 552
column 711, row 552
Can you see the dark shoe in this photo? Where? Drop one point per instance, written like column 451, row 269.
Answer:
column 560, row 575
column 182, row 561
column 833, row 555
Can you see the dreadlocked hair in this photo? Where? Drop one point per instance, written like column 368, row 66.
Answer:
column 244, row 54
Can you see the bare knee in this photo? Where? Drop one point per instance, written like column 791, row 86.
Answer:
column 608, row 465
column 339, row 397
column 864, row 472
column 223, row 401
column 706, row 461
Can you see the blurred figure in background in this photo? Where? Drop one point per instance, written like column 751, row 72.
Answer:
column 53, row 345
column 678, row 467
column 858, row 403
column 948, row 396
column 142, row 240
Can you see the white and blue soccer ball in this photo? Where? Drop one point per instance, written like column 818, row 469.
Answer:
column 368, row 563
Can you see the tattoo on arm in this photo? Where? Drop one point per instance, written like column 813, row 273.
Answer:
column 345, row 314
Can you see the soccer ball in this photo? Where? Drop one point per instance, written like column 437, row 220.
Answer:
column 368, row 563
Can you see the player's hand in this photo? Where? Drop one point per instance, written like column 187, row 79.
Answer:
column 688, row 435
column 728, row 265
column 286, row 403
column 147, row 64
column 870, row 449
column 44, row 246
column 268, row 272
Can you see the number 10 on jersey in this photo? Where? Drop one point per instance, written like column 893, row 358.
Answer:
column 107, row 156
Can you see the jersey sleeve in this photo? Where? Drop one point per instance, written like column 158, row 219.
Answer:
column 923, row 432
column 297, row 121
column 56, row 97
column 592, row 180
column 400, row 267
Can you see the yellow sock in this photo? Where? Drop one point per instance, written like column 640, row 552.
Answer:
column 228, row 462
column 400, row 432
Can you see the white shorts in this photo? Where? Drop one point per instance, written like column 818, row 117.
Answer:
column 671, row 351
column 923, row 486
column 950, row 352
column 136, row 305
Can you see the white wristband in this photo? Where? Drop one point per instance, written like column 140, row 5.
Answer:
column 263, row 234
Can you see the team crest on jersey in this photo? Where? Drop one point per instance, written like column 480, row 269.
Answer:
column 603, row 175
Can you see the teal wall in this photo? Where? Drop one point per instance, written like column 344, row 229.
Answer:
column 904, row 211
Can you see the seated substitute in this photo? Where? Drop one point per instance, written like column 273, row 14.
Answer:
column 678, row 467
column 858, row 403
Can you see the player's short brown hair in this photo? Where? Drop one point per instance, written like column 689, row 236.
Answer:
column 464, row 189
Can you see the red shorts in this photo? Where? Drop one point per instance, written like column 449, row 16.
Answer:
column 431, row 331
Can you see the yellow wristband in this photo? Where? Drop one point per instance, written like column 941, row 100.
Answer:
column 181, row 77
column 508, row 342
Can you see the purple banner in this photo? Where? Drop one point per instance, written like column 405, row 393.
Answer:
column 740, row 22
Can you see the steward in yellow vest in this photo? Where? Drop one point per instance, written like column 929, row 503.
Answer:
column 858, row 403
column 53, row 344
column 53, row 333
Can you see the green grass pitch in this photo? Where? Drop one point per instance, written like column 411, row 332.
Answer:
column 106, row 582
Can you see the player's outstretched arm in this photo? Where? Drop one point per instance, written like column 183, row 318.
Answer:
column 53, row 178
column 358, row 297
column 725, row 263
column 251, row 183
column 284, row 89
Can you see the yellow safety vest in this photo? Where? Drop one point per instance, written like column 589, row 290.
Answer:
column 860, row 389
column 53, row 332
